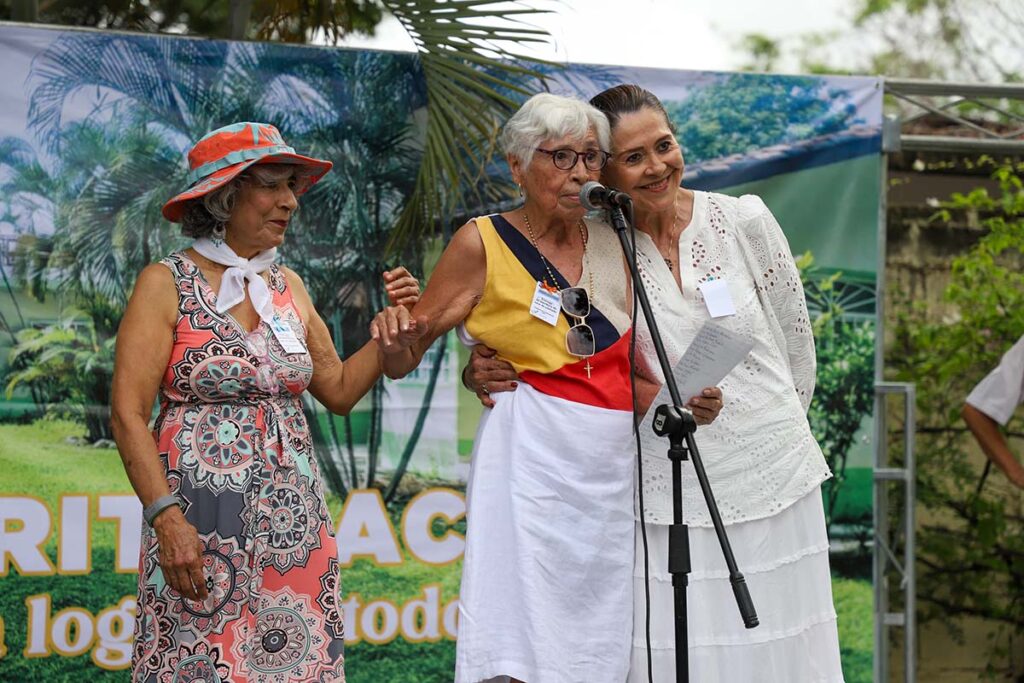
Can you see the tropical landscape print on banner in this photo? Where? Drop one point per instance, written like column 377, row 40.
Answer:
column 92, row 140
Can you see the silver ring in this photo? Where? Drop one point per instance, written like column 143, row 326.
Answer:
column 483, row 387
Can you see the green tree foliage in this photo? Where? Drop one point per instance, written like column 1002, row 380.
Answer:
column 70, row 366
column 113, row 170
column 844, row 392
column 971, row 539
column 295, row 21
column 31, row 254
column 931, row 39
column 944, row 39
column 764, row 52
column 467, row 50
column 743, row 112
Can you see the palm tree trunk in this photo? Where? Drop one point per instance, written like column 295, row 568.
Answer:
column 421, row 418
column 147, row 255
column 346, row 420
column 376, row 396
column 7, row 327
column 10, row 292
column 376, row 422
column 335, row 442
column 238, row 19
column 350, row 446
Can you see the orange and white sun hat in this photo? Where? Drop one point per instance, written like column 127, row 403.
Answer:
column 224, row 153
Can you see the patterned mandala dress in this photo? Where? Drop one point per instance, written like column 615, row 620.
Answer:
column 237, row 451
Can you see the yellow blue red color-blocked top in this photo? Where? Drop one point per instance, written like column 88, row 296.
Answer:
column 536, row 349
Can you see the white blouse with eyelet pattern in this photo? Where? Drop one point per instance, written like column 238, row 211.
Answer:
column 759, row 454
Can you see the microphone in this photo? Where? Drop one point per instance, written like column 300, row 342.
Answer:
column 594, row 195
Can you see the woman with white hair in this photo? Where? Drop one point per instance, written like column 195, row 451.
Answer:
column 762, row 460
column 548, row 564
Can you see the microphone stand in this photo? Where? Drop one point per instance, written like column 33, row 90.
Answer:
column 677, row 423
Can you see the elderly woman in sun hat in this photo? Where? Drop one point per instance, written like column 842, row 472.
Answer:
column 237, row 578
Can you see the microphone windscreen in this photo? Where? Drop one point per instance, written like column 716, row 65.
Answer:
column 585, row 192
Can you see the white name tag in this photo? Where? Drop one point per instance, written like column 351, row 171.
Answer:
column 717, row 298
column 286, row 336
column 546, row 305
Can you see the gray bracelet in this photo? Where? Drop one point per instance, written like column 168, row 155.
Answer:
column 159, row 505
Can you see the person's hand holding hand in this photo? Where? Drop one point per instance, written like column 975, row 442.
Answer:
column 395, row 330
column 401, row 287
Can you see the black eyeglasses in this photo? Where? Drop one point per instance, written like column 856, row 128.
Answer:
column 579, row 340
column 565, row 159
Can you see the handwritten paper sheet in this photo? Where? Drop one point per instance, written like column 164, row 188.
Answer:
column 711, row 355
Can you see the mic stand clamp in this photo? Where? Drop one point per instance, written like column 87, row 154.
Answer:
column 678, row 424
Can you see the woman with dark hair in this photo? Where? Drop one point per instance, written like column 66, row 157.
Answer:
column 764, row 465
column 238, row 577
column 546, row 593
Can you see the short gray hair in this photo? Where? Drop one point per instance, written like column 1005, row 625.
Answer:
column 203, row 215
column 545, row 117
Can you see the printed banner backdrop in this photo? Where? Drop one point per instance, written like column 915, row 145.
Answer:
column 92, row 138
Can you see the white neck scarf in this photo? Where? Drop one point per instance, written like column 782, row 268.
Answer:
column 239, row 270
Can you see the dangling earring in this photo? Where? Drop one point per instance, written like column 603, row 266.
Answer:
column 520, row 190
column 217, row 234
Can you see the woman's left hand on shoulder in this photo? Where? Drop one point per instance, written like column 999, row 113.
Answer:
column 707, row 406
column 402, row 288
column 395, row 330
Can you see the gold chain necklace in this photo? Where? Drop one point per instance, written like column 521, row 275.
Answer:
column 554, row 283
column 675, row 221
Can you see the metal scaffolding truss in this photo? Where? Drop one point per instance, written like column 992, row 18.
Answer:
column 1002, row 106
column 894, row 574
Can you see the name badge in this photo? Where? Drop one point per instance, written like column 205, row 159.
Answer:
column 717, row 298
column 546, row 304
column 286, row 336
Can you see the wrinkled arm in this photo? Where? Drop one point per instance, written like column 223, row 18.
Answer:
column 338, row 384
column 452, row 291
column 144, row 342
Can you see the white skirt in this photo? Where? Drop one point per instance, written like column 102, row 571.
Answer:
column 546, row 592
column 784, row 559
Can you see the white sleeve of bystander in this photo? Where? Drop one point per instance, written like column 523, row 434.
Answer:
column 1002, row 390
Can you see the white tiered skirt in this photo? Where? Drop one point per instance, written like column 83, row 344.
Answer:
column 784, row 559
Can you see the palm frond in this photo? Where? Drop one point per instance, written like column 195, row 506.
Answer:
column 163, row 75
column 472, row 84
column 16, row 153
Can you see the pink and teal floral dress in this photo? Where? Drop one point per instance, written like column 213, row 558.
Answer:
column 237, row 451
